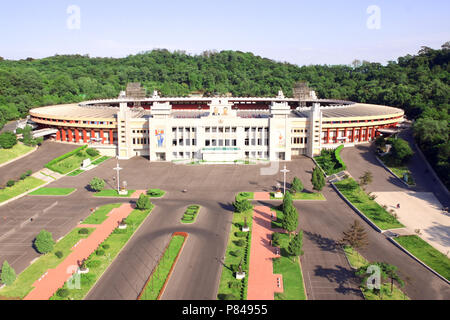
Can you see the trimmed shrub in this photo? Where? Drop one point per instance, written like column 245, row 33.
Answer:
column 92, row 152
column 240, row 234
column 8, row 275
column 29, row 173
column 100, row 252
column 223, row 296
column 234, row 284
column 10, row 183
column 235, row 253
column 240, row 243
column 93, row 263
column 106, row 246
column 62, row 293
column 242, row 206
column 83, row 231
column 59, row 254
column 23, row 176
column 44, row 242
column 97, row 184
column 143, row 202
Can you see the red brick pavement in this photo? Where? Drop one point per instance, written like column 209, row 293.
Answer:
column 262, row 283
column 261, row 196
column 54, row 279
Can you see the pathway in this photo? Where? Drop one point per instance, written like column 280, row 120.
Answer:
column 53, row 279
column 262, row 283
column 258, row 196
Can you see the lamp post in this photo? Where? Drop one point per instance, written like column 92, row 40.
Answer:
column 118, row 168
column 284, row 171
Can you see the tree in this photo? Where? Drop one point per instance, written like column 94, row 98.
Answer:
column 317, row 180
column 8, row 140
column 242, row 205
column 296, row 244
column 290, row 220
column 97, row 184
column 400, row 152
column 287, row 201
column 365, row 179
column 8, row 275
column 143, row 202
column 44, row 242
column 297, row 185
column 355, row 236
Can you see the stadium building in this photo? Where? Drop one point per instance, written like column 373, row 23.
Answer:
column 215, row 129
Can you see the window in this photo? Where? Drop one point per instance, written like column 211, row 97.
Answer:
column 247, row 142
column 207, row 143
column 174, row 143
column 194, row 142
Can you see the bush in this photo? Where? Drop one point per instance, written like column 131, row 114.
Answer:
column 400, row 152
column 106, row 246
column 276, row 239
column 143, row 202
column 83, row 231
column 8, row 275
column 240, row 243
column 235, row 253
column 240, row 234
column 194, row 207
column 59, row 254
column 62, row 293
column 92, row 152
column 297, row 185
column 44, row 242
column 100, row 252
column 97, row 184
column 228, row 296
column 234, row 284
column 242, row 206
column 10, row 183
column 8, row 140
column 23, row 176
column 29, row 173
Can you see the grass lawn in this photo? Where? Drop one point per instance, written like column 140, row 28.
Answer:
column 245, row 196
column 291, row 271
column 53, row 192
column 190, row 215
column 426, row 253
column 10, row 154
column 352, row 191
column 97, row 264
column 156, row 281
column 71, row 163
column 23, row 284
column 113, row 193
column 20, row 187
column 302, row 196
column 75, row 173
column 399, row 171
column 156, row 193
column 233, row 256
column 280, row 215
column 100, row 214
column 356, row 261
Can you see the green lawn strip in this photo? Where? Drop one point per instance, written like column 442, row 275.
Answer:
column 280, row 215
column 75, row 173
column 301, row 196
column 53, row 192
column 245, row 196
column 100, row 160
column 113, row 193
column 20, row 187
column 336, row 161
column 156, row 193
column 426, row 253
column 18, row 150
column 228, row 283
column 23, row 284
column 97, row 264
column 44, row 174
column 161, row 272
column 190, row 215
column 376, row 213
column 356, row 261
column 291, row 272
column 100, row 214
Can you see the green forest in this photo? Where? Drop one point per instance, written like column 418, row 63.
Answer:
column 419, row 83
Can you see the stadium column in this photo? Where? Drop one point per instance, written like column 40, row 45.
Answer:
column 373, row 133
column 84, row 136
column 58, row 135
column 367, row 133
column 353, row 134
column 336, row 136
column 63, row 135
column 328, row 135
column 77, row 136
column 111, row 137
column 345, row 135
column 93, row 134
column 102, row 136
column 69, row 135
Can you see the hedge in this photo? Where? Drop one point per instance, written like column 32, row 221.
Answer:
column 337, row 155
column 63, row 157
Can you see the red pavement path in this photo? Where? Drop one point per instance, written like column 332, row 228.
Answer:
column 54, row 279
column 138, row 193
column 261, row 196
column 262, row 283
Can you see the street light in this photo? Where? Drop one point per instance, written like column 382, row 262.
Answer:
column 118, row 168
column 284, row 171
